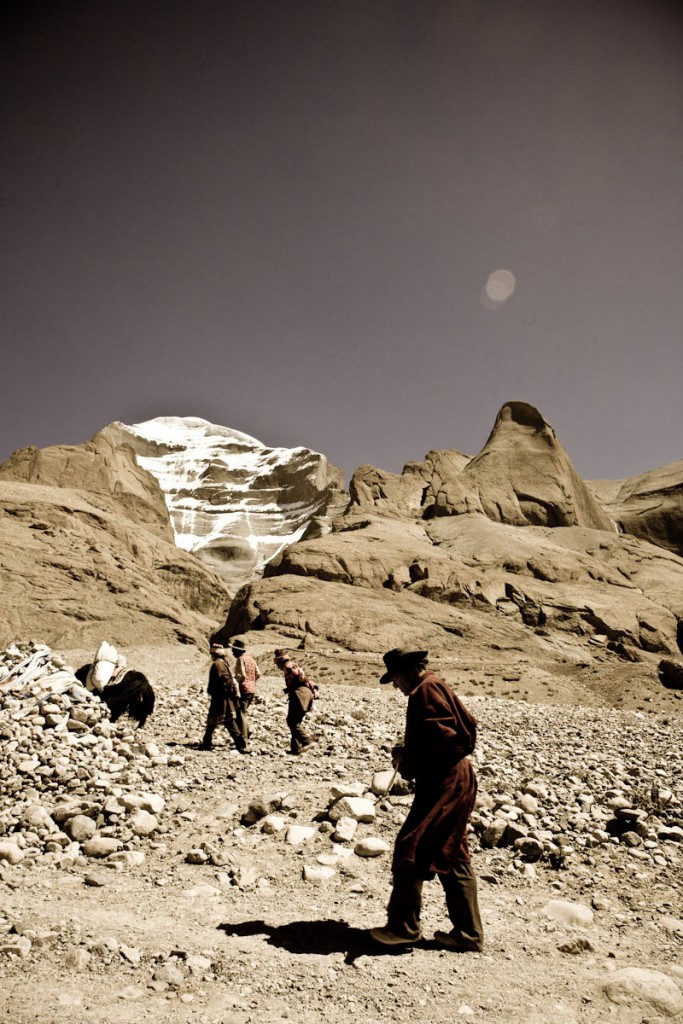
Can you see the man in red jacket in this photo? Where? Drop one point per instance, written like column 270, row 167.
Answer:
column 439, row 735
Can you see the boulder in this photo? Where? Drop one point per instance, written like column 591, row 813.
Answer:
column 645, row 988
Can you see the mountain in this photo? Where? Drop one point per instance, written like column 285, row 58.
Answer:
column 233, row 502
column 507, row 561
column 507, row 551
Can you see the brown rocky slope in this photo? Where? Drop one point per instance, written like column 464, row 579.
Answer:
column 87, row 552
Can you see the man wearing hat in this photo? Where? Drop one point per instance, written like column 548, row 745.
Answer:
column 246, row 672
column 223, row 694
column 439, row 735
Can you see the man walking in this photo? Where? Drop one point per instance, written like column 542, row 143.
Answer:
column 439, row 735
column 222, row 707
column 246, row 673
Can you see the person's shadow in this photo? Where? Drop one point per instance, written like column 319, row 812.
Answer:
column 321, row 937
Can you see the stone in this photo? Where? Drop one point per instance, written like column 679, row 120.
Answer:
column 17, row 945
column 101, row 846
column 317, row 873
column 170, row 974
column 353, row 807
column 272, row 824
column 260, row 806
column 646, row 988
column 345, row 830
column 531, row 849
column 80, row 828
column 579, row 944
column 575, row 915
column 371, row 846
column 296, row 834
column 381, row 782
column 11, row 853
column 340, row 789
column 152, row 802
column 143, row 823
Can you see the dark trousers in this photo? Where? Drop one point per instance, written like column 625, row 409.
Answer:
column 460, row 888
column 243, row 715
column 295, row 716
column 230, row 724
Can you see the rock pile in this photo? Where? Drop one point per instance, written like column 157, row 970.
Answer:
column 72, row 785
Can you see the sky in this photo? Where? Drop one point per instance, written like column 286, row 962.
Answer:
column 355, row 225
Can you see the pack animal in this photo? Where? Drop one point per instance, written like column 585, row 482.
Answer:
column 131, row 695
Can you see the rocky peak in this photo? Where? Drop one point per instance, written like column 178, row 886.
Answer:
column 522, row 476
column 233, row 502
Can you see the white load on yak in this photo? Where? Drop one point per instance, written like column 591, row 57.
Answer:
column 124, row 691
column 106, row 668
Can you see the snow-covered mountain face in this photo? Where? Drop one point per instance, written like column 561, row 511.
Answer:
column 233, row 502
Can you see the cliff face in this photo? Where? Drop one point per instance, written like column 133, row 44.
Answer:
column 233, row 502
column 649, row 506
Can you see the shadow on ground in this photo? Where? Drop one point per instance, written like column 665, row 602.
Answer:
column 321, row 937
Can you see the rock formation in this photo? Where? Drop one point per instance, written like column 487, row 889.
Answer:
column 649, row 506
column 100, row 466
column 233, row 502
column 522, row 476
column 437, row 553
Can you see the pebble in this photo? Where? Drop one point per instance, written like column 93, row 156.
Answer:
column 371, row 846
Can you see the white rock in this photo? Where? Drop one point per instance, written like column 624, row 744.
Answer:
column 143, row 823
column 152, row 802
column 643, row 986
column 299, row 834
column 356, row 807
column 318, row 873
column 340, row 789
column 11, row 853
column 345, row 830
column 272, row 824
column 371, row 846
column 576, row 915
column 381, row 782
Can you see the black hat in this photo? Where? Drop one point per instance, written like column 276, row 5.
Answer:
column 400, row 659
column 239, row 645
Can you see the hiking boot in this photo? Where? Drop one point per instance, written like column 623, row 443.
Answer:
column 388, row 937
column 205, row 746
column 447, row 940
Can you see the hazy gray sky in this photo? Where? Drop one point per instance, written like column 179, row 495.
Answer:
column 282, row 216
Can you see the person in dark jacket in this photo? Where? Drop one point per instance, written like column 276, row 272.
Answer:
column 301, row 693
column 439, row 735
column 222, row 707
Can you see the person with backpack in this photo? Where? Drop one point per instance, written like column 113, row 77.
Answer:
column 301, row 693
column 223, row 703
column 246, row 673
